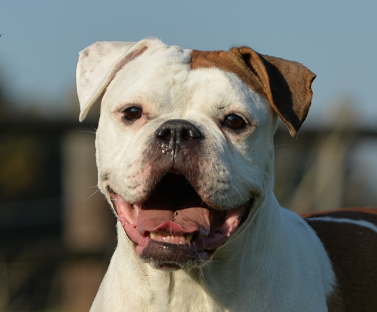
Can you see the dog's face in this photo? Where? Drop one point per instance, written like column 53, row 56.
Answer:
column 185, row 140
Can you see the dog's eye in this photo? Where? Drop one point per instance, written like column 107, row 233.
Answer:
column 234, row 121
column 132, row 113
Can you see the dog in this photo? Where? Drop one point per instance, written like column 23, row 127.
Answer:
column 185, row 157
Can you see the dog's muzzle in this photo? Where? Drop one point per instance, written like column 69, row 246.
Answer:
column 173, row 227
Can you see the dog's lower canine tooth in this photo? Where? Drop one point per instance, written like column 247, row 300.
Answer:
column 152, row 235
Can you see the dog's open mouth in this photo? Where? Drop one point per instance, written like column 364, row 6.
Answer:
column 174, row 228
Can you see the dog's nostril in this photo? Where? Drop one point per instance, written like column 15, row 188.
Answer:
column 188, row 134
column 164, row 133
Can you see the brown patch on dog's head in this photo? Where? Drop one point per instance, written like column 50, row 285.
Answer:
column 228, row 62
column 285, row 84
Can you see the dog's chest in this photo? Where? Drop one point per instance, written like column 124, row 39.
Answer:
column 179, row 291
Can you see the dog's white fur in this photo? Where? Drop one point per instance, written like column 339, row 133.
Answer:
column 274, row 261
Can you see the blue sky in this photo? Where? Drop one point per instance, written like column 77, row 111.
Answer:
column 336, row 39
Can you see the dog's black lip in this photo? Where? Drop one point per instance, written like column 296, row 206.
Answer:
column 247, row 209
column 168, row 256
column 110, row 190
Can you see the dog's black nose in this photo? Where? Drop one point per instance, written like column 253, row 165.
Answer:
column 177, row 132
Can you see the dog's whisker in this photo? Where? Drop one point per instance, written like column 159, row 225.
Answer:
column 201, row 274
column 91, row 187
column 284, row 147
column 242, row 199
column 227, row 198
column 88, row 132
column 247, row 183
column 91, row 195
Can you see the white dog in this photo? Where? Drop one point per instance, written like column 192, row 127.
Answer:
column 185, row 156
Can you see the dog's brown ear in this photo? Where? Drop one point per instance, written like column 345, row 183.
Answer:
column 287, row 85
column 97, row 66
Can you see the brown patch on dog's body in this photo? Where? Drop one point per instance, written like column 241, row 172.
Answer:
column 366, row 214
column 352, row 249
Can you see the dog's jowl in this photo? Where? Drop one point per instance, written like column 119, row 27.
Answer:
column 185, row 157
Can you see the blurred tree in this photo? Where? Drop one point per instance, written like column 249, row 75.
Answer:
column 29, row 160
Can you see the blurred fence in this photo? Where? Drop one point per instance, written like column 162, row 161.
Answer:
column 57, row 231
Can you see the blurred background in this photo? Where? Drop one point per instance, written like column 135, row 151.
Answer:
column 56, row 231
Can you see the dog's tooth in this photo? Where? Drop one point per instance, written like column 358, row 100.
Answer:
column 152, row 235
column 180, row 239
column 189, row 237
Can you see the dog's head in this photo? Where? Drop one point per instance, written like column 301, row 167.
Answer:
column 185, row 139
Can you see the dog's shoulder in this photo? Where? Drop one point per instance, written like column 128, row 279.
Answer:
column 350, row 239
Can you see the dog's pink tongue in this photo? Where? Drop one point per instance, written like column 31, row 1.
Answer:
column 187, row 220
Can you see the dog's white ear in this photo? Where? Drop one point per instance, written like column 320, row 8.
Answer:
column 287, row 85
column 97, row 66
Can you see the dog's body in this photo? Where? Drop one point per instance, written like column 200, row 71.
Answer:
column 185, row 156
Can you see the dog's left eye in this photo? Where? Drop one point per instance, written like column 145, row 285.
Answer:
column 234, row 121
column 132, row 113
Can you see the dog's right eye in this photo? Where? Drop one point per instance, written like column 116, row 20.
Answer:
column 132, row 113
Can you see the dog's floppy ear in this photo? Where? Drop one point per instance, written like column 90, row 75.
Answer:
column 287, row 85
column 97, row 66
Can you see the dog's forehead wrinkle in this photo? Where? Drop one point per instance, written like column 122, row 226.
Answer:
column 215, row 81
